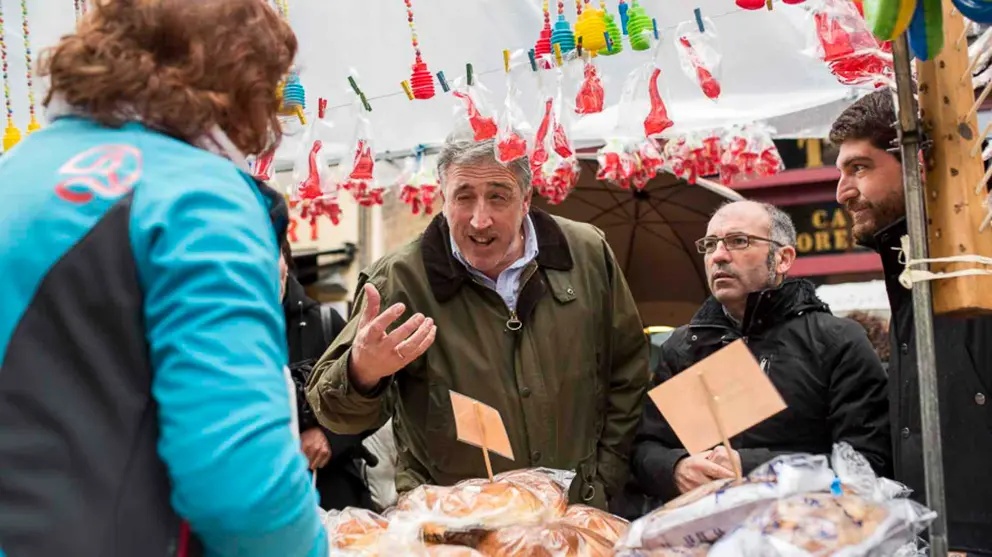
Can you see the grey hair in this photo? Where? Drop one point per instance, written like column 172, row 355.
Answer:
column 460, row 149
column 783, row 231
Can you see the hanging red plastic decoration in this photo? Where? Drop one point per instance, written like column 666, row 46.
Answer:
column 657, row 120
column 838, row 35
column 263, row 166
column 473, row 105
column 591, row 96
column 554, row 167
column 421, row 80
column 699, row 54
column 510, row 144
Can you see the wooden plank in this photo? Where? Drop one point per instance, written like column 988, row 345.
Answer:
column 954, row 210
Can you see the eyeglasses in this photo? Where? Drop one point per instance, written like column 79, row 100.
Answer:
column 733, row 242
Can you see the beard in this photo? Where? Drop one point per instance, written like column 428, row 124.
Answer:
column 879, row 215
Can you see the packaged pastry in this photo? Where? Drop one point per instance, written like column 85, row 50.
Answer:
column 452, row 551
column 556, row 539
column 609, row 526
column 706, row 513
column 821, row 524
column 698, row 551
column 542, row 483
column 354, row 528
column 462, row 513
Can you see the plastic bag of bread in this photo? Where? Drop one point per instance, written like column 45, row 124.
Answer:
column 464, row 512
column 556, row 539
column 545, row 483
column 698, row 551
column 821, row 524
column 353, row 529
column 706, row 513
column 608, row 526
column 451, row 551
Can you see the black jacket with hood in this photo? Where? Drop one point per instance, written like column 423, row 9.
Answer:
column 964, row 369
column 340, row 483
column 824, row 367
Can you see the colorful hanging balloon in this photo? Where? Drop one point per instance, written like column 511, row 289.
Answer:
column 590, row 27
column 542, row 48
column 613, row 30
column 640, row 28
column 562, row 34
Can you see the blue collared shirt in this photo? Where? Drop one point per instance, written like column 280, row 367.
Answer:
column 507, row 284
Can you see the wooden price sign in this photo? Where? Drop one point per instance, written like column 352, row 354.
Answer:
column 717, row 398
column 480, row 425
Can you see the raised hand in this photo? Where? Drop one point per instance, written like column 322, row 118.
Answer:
column 375, row 354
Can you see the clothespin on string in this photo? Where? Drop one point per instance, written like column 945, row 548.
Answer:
column 609, row 42
column 578, row 44
column 558, row 53
column 443, row 82
column 361, row 95
column 699, row 20
column 769, row 3
column 321, row 108
column 506, row 61
column 533, row 59
column 407, row 89
column 654, row 25
column 468, row 75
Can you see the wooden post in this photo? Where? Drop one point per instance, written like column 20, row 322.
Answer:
column 485, row 443
column 954, row 209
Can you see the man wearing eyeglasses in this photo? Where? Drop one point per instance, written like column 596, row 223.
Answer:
column 824, row 366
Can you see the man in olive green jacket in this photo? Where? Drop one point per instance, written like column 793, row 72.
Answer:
column 523, row 311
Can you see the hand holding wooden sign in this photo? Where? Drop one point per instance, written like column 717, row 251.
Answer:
column 717, row 398
column 480, row 425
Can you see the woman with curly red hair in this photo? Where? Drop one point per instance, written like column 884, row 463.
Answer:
column 142, row 351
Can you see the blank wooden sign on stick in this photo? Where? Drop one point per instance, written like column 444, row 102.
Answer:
column 480, row 425
column 717, row 398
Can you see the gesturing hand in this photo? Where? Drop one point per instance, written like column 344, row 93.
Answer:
column 375, row 354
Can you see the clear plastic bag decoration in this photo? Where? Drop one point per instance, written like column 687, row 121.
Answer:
column 554, row 166
column 473, row 109
column 261, row 167
column 314, row 191
column 838, row 35
column 699, row 55
column 416, row 184
column 360, row 180
column 591, row 96
column 512, row 129
column 409, row 194
column 705, row 514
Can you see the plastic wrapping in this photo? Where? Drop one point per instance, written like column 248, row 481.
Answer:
column 657, row 120
column 512, row 128
column 314, row 190
column 473, row 110
column 354, row 529
column 628, row 163
column 699, row 55
column 608, row 526
column 471, row 506
column 360, row 180
column 591, row 96
column 838, row 35
column 706, row 513
column 262, row 166
column 544, row 483
column 416, row 185
column 699, row 551
column 554, row 167
column 816, row 524
column 545, row 540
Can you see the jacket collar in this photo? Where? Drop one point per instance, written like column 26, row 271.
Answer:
column 765, row 308
column 296, row 298
column 446, row 274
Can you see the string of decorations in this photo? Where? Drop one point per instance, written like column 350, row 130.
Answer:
column 421, row 79
column 11, row 134
column 33, row 125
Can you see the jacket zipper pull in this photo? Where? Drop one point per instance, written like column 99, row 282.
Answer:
column 513, row 323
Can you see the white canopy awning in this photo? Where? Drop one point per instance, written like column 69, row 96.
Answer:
column 764, row 74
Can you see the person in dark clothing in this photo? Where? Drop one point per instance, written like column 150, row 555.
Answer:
column 871, row 188
column 823, row 366
column 310, row 329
